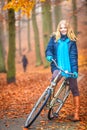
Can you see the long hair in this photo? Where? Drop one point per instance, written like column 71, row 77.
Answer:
column 70, row 32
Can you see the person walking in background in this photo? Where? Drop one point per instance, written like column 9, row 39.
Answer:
column 25, row 62
column 63, row 49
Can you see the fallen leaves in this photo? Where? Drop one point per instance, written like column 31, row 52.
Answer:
column 25, row 129
column 16, row 100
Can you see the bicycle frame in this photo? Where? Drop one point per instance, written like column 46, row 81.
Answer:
column 46, row 96
column 56, row 98
column 57, row 94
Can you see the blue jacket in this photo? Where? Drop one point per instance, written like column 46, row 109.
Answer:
column 51, row 50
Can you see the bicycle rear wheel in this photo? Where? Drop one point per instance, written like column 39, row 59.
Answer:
column 58, row 101
column 38, row 107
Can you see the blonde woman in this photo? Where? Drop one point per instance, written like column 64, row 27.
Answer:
column 62, row 47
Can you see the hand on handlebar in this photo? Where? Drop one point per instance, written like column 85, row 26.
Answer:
column 49, row 58
column 75, row 75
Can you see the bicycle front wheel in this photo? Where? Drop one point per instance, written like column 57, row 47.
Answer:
column 38, row 107
column 58, row 101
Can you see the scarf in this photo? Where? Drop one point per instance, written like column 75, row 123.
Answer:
column 63, row 56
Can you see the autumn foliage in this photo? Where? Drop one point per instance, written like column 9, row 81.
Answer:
column 25, row 5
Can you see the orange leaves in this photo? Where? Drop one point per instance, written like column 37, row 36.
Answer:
column 42, row 0
column 16, row 100
column 82, row 59
column 25, row 128
column 25, row 5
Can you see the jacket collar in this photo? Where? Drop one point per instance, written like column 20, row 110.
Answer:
column 63, row 37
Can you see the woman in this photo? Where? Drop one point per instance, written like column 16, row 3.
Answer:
column 62, row 48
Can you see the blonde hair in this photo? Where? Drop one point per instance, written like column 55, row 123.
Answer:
column 70, row 32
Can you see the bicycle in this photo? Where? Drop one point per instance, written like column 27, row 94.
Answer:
column 51, row 98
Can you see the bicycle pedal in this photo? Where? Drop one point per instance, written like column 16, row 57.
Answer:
column 55, row 115
column 47, row 105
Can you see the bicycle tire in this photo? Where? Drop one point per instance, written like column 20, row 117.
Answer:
column 31, row 117
column 58, row 102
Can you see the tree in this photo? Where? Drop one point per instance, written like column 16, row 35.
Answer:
column 28, row 36
column 19, row 34
column 57, row 13
column 2, row 59
column 74, row 16
column 11, row 52
column 47, row 25
column 37, row 42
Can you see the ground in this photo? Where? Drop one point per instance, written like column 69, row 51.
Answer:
column 16, row 101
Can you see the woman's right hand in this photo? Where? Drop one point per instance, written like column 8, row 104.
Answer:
column 49, row 58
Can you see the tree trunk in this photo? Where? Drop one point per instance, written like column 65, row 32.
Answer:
column 28, row 36
column 74, row 16
column 47, row 26
column 2, row 58
column 11, row 51
column 19, row 35
column 37, row 42
column 57, row 14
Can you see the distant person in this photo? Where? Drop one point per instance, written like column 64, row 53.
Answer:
column 25, row 62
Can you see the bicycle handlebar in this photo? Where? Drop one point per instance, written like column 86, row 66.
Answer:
column 66, row 72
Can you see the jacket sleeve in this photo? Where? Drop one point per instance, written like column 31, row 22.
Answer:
column 74, row 57
column 49, row 49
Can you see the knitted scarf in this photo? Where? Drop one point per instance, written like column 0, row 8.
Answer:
column 63, row 56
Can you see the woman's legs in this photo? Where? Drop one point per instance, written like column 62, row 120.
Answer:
column 76, row 97
column 55, row 73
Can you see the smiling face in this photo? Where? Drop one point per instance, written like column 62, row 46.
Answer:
column 63, row 29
